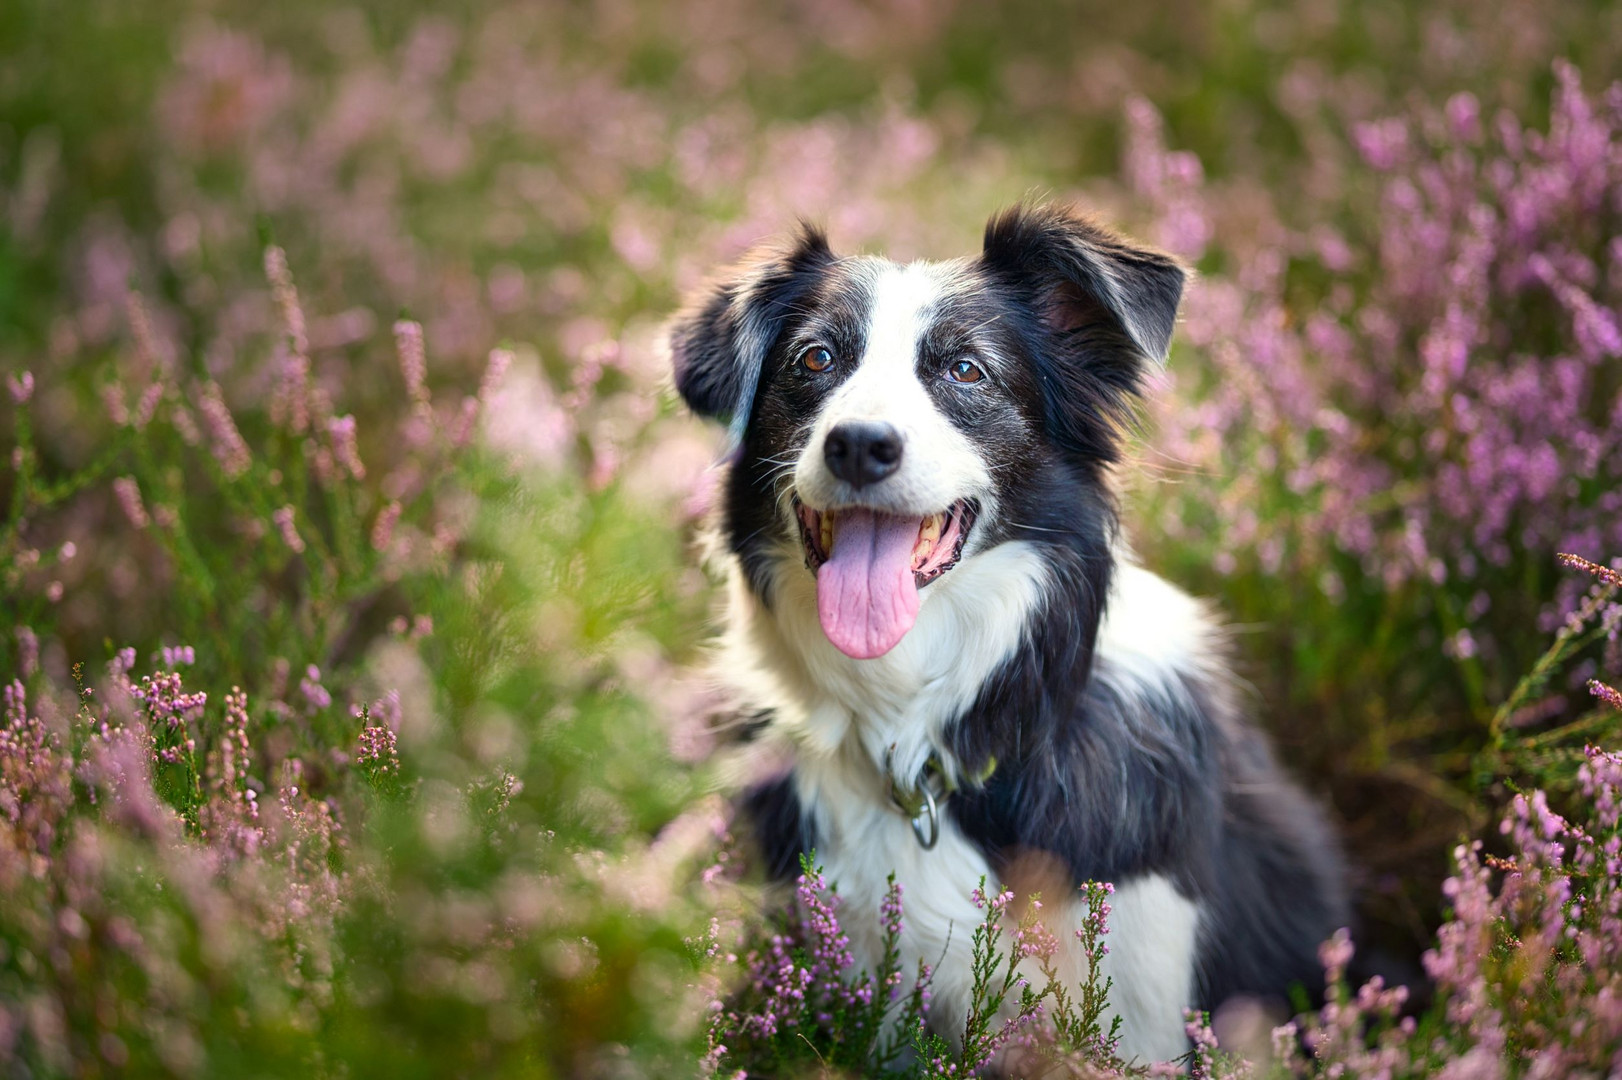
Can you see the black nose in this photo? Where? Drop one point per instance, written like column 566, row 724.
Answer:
column 862, row 452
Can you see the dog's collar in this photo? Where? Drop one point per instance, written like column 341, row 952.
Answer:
column 922, row 802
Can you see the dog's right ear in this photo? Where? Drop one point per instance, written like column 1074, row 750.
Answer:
column 719, row 341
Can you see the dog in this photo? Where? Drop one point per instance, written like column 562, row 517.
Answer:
column 934, row 620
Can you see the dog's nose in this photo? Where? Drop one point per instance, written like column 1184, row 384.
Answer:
column 862, row 452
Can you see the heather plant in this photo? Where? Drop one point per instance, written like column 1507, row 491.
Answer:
column 793, row 1002
column 198, row 885
column 343, row 732
column 1397, row 398
column 800, row 1002
column 356, row 857
column 1436, row 416
column 1524, row 969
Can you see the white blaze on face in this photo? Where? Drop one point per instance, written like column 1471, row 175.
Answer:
column 867, row 595
column 939, row 465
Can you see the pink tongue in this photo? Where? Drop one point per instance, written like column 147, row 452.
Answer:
column 866, row 596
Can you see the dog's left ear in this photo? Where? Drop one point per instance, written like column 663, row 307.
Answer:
column 719, row 341
column 1106, row 307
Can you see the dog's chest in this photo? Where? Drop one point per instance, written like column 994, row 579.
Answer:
column 847, row 719
column 862, row 839
column 896, row 707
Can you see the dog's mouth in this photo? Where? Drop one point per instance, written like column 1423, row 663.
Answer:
column 870, row 566
column 937, row 548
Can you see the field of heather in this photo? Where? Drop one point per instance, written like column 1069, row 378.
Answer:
column 349, row 596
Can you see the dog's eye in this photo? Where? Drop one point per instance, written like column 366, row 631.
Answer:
column 965, row 371
column 817, row 359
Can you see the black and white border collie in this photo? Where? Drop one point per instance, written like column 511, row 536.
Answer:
column 935, row 619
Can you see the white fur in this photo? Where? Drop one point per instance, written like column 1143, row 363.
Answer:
column 1154, row 931
column 1153, row 632
column 842, row 719
column 841, row 716
column 969, row 622
column 861, row 840
column 939, row 465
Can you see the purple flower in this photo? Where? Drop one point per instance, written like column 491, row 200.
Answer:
column 283, row 518
column 316, row 696
column 129, row 498
column 341, row 429
column 413, row 358
column 383, row 527
column 227, row 444
column 21, row 387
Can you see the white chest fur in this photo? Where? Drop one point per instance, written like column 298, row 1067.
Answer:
column 897, row 705
column 862, row 840
column 844, row 716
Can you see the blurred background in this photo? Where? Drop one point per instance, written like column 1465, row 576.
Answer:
column 335, row 394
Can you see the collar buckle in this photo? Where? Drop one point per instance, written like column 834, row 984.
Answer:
column 922, row 803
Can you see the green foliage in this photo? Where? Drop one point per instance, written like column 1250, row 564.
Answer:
column 427, row 821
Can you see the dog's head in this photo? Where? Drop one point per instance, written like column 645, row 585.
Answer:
column 892, row 421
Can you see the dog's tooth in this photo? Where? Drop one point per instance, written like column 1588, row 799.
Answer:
column 827, row 537
column 930, row 530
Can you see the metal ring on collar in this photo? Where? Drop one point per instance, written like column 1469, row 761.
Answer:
column 932, row 813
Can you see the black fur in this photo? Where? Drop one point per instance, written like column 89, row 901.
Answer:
column 1105, row 305
column 783, row 830
column 1116, row 790
column 1112, row 785
column 718, row 346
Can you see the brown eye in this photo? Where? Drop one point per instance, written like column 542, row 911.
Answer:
column 817, row 359
column 964, row 371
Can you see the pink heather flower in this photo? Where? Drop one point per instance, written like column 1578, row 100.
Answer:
column 605, row 464
column 287, row 302
column 413, row 358
column 1198, row 1028
column 185, row 426
column 67, row 551
column 150, row 357
column 891, row 910
column 1604, row 573
column 316, row 696
column 175, row 655
column 378, row 753
column 229, row 449
column 494, row 372
column 21, row 387
column 35, row 780
column 1382, row 143
column 284, row 524
column 342, row 431
column 290, row 405
column 166, row 698
column 27, row 651
column 122, row 663
column 466, row 421
column 1336, row 953
column 386, row 710
column 147, row 406
column 129, row 497
column 1608, row 694
column 1464, row 117
column 383, row 527
column 112, row 397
